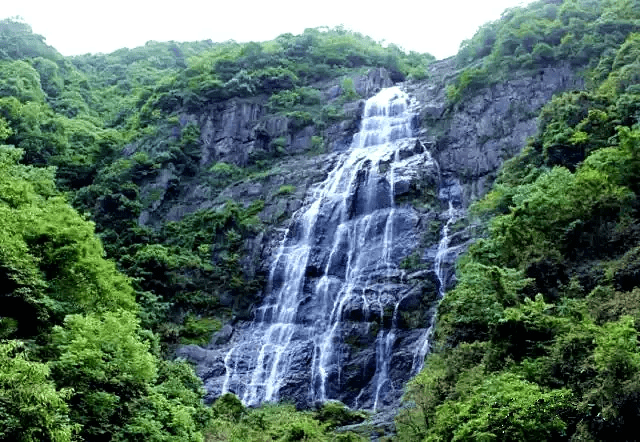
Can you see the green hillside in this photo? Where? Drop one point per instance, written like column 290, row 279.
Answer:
column 537, row 341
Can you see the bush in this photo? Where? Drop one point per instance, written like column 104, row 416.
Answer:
column 286, row 189
column 198, row 331
column 336, row 414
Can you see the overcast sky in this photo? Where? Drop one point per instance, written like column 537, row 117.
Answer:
column 80, row 26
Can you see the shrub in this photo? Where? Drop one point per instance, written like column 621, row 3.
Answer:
column 286, row 189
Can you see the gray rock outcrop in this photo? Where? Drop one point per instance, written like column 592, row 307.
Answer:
column 473, row 138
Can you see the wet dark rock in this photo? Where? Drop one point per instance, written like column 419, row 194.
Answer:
column 223, row 336
column 193, row 353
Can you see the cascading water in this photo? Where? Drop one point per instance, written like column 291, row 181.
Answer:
column 439, row 269
column 336, row 278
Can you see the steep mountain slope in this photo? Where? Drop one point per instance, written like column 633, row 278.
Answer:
column 198, row 162
column 463, row 167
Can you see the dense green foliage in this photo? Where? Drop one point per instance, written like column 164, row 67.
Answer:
column 288, row 62
column 234, row 423
column 52, row 264
column 90, row 370
column 31, row 408
column 539, row 339
column 582, row 33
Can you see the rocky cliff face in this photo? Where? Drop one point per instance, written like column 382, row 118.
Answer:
column 465, row 144
column 342, row 318
column 472, row 139
column 242, row 132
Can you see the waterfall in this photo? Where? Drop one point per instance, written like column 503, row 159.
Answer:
column 441, row 254
column 336, row 274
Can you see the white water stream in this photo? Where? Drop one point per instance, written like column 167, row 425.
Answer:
column 441, row 254
column 338, row 250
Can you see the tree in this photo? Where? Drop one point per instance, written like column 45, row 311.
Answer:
column 51, row 263
column 503, row 407
column 108, row 365
column 31, row 408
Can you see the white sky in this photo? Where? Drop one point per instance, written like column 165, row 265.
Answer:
column 80, row 26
